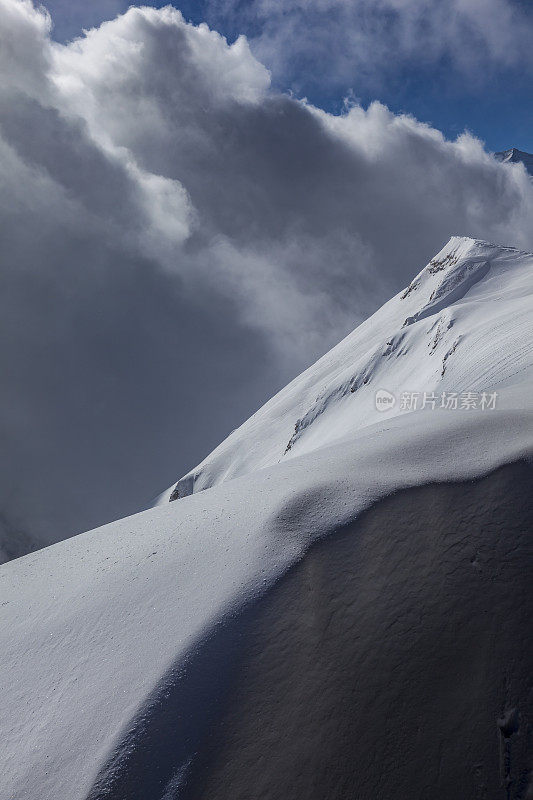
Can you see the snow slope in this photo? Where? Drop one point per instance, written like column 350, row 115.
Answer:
column 463, row 324
column 125, row 651
column 391, row 662
column 101, row 631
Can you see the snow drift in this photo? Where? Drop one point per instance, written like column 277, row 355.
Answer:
column 346, row 618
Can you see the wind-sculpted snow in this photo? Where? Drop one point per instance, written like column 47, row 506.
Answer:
column 457, row 282
column 391, row 662
column 463, row 324
column 119, row 648
column 139, row 660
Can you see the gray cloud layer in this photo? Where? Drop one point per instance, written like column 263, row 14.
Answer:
column 178, row 239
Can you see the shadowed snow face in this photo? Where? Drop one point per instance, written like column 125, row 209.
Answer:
column 178, row 239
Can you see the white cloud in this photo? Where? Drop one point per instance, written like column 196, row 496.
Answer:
column 23, row 45
column 178, row 239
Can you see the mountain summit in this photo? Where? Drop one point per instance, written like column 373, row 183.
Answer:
column 514, row 156
column 463, row 324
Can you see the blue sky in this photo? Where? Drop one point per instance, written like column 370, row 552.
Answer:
column 329, row 53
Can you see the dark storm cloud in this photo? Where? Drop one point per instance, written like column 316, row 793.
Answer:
column 177, row 240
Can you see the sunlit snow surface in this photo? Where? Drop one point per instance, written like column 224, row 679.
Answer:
column 121, row 641
column 465, row 323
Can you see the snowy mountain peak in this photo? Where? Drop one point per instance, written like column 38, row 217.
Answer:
column 463, row 325
column 515, row 156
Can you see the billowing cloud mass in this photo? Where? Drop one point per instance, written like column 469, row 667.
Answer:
column 178, row 239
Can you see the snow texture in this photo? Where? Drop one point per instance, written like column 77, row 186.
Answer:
column 348, row 622
column 391, row 662
column 463, row 324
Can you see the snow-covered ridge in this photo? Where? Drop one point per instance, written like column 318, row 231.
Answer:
column 120, row 647
column 463, row 324
column 117, row 646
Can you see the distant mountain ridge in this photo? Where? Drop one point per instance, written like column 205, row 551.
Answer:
column 514, row 156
